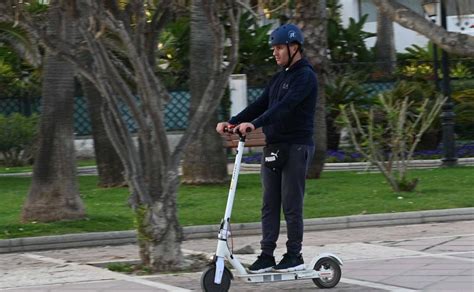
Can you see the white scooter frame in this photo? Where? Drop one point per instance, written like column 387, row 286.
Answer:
column 324, row 269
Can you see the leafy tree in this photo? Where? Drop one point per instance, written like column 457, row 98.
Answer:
column 418, row 64
column 255, row 57
column 453, row 42
column 346, row 44
column 18, row 79
column 151, row 167
column 173, row 56
column 7, row 79
column 20, row 42
column 17, row 135
column 464, row 111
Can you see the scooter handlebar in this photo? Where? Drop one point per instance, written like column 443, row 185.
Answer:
column 230, row 130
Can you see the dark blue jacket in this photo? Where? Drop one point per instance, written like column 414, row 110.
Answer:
column 286, row 108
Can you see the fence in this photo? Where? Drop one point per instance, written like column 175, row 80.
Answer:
column 176, row 110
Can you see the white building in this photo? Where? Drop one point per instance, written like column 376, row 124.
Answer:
column 404, row 37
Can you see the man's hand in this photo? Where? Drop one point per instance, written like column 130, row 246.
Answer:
column 222, row 126
column 244, row 128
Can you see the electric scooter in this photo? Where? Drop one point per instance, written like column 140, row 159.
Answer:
column 324, row 269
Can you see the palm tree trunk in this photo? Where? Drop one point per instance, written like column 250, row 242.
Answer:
column 333, row 134
column 385, row 45
column 205, row 159
column 311, row 17
column 54, row 194
column 109, row 166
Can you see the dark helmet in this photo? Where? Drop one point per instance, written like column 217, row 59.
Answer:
column 286, row 34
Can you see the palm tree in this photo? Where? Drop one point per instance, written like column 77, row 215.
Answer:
column 109, row 166
column 205, row 158
column 311, row 18
column 26, row 49
column 385, row 45
column 20, row 42
column 54, row 194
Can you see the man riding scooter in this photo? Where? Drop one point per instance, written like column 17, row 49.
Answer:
column 286, row 111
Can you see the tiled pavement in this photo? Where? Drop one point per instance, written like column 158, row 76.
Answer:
column 423, row 257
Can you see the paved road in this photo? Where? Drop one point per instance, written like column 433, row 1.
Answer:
column 423, row 257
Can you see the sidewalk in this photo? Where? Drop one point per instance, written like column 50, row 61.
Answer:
column 91, row 239
column 418, row 257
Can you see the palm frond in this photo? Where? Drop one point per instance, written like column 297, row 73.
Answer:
column 19, row 41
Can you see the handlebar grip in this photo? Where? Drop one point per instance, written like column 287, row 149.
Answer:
column 229, row 130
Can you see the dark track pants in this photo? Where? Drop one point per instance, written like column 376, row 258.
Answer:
column 285, row 188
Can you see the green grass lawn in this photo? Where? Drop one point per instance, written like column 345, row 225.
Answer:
column 335, row 194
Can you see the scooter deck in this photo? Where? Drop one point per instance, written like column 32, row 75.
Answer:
column 277, row 277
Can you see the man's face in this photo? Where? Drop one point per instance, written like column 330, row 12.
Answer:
column 281, row 53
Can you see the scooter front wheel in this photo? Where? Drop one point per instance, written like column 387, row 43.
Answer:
column 329, row 273
column 207, row 280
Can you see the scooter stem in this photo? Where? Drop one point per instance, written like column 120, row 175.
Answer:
column 222, row 247
column 233, row 187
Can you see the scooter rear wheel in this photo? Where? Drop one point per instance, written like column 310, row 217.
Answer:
column 330, row 266
column 207, row 280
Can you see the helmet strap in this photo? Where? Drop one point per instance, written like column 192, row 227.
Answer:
column 290, row 57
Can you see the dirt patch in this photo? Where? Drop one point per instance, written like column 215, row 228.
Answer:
column 191, row 263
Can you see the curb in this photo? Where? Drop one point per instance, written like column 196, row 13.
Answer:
column 365, row 166
column 333, row 166
column 210, row 231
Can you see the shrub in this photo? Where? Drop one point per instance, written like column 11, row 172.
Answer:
column 17, row 135
column 390, row 132
column 464, row 110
